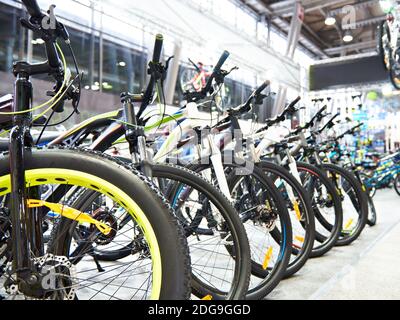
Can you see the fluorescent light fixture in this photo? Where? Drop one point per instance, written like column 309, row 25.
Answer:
column 348, row 37
column 330, row 21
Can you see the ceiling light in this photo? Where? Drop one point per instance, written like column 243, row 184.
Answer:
column 122, row 64
column 348, row 37
column 330, row 21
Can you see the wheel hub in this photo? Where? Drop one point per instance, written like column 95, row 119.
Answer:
column 52, row 280
column 108, row 218
column 266, row 216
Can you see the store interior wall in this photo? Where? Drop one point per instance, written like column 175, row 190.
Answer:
column 122, row 34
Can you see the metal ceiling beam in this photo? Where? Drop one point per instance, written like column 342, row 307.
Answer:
column 363, row 23
column 356, row 6
column 282, row 24
column 284, row 8
column 352, row 47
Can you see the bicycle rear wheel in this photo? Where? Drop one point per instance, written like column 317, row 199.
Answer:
column 265, row 218
column 301, row 214
column 326, row 205
column 217, row 240
column 354, row 203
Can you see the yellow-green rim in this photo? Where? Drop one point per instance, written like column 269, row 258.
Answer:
column 39, row 177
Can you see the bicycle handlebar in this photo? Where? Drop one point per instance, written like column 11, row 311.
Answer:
column 311, row 122
column 329, row 123
column 293, row 104
column 225, row 55
column 261, row 88
column 246, row 107
column 49, row 36
column 33, row 9
column 154, row 72
column 158, row 45
column 289, row 110
column 350, row 131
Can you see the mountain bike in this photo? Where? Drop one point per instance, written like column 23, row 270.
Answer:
column 195, row 78
column 388, row 33
column 159, row 264
column 338, row 154
column 245, row 189
column 385, row 175
column 114, row 127
column 325, row 201
column 354, row 199
column 207, row 229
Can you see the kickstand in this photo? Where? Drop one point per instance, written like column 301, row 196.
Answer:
column 96, row 261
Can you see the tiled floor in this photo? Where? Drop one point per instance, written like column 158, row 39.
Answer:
column 367, row 269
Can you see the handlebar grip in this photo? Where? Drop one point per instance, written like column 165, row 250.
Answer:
column 216, row 70
column 324, row 108
column 225, row 55
column 296, row 101
column 33, row 8
column 333, row 119
column 158, row 45
column 265, row 85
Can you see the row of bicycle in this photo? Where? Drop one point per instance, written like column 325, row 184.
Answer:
column 79, row 222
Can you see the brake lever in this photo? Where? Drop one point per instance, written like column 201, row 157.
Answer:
column 222, row 74
column 259, row 99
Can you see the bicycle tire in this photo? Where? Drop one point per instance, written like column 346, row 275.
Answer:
column 307, row 212
column 325, row 243
column 62, row 166
column 361, row 205
column 241, row 277
column 396, row 184
column 270, row 281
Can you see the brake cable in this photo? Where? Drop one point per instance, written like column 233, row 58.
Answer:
column 57, row 96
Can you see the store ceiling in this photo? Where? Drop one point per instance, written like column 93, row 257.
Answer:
column 322, row 40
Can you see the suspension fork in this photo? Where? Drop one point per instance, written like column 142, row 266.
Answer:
column 26, row 223
column 216, row 160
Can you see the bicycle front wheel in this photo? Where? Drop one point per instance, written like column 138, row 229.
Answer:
column 158, row 266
